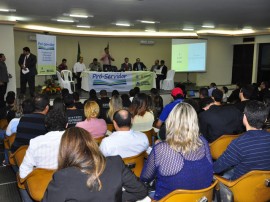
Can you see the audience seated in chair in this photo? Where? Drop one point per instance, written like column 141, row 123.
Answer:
column 218, row 120
column 84, row 174
column 32, row 125
column 178, row 97
column 96, row 127
column 183, row 161
column 124, row 141
column 251, row 150
column 74, row 115
column 115, row 104
column 142, row 115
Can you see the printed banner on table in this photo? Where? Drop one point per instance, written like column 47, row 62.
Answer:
column 46, row 46
column 121, row 81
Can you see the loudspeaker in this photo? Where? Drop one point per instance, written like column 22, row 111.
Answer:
column 248, row 39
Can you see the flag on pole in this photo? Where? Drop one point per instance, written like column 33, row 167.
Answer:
column 79, row 52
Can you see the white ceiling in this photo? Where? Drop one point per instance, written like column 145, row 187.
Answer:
column 172, row 15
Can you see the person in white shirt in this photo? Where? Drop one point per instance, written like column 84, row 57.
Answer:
column 124, row 142
column 43, row 150
column 78, row 68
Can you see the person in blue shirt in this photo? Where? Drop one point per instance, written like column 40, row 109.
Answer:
column 251, row 150
column 178, row 96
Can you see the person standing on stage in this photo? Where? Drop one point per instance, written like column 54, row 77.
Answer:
column 3, row 79
column 27, row 62
column 78, row 68
column 106, row 59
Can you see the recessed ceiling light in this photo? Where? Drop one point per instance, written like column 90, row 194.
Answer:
column 83, row 26
column 188, row 29
column 148, row 22
column 7, row 10
column 78, row 16
column 208, row 26
column 63, row 20
column 122, row 24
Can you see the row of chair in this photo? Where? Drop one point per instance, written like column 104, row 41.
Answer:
column 255, row 182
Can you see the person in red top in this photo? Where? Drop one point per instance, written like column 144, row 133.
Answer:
column 63, row 65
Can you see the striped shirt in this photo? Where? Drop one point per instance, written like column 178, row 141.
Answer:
column 251, row 151
column 30, row 126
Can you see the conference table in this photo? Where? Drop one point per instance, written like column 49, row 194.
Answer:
column 121, row 81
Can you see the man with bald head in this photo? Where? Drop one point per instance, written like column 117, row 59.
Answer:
column 124, row 141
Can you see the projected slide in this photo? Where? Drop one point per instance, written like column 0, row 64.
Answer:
column 189, row 55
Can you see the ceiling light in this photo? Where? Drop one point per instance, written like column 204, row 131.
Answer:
column 102, row 33
column 150, row 30
column 208, row 26
column 83, row 26
column 188, row 29
column 78, row 16
column 62, row 20
column 247, row 29
column 226, row 32
column 147, row 22
column 122, row 24
column 7, row 10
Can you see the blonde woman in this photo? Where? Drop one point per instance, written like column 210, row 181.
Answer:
column 115, row 104
column 96, row 127
column 84, row 174
column 183, row 161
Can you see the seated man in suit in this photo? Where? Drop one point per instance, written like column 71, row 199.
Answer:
column 251, row 150
column 124, row 141
column 219, row 120
column 95, row 66
column 126, row 66
column 161, row 72
column 155, row 66
column 139, row 66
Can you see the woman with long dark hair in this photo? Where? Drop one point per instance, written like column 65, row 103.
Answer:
column 84, row 174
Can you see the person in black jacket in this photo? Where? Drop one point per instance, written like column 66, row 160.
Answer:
column 138, row 65
column 27, row 62
column 84, row 174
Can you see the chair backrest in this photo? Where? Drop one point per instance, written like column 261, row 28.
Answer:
column 37, row 182
column 60, row 79
column 8, row 141
column 67, row 75
column 17, row 157
column 99, row 139
column 135, row 163
column 250, row 187
column 110, row 127
column 170, row 74
column 220, row 145
column 149, row 135
column 191, row 195
column 3, row 124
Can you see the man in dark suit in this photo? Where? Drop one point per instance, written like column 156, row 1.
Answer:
column 219, row 120
column 126, row 66
column 27, row 62
column 138, row 65
column 161, row 72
